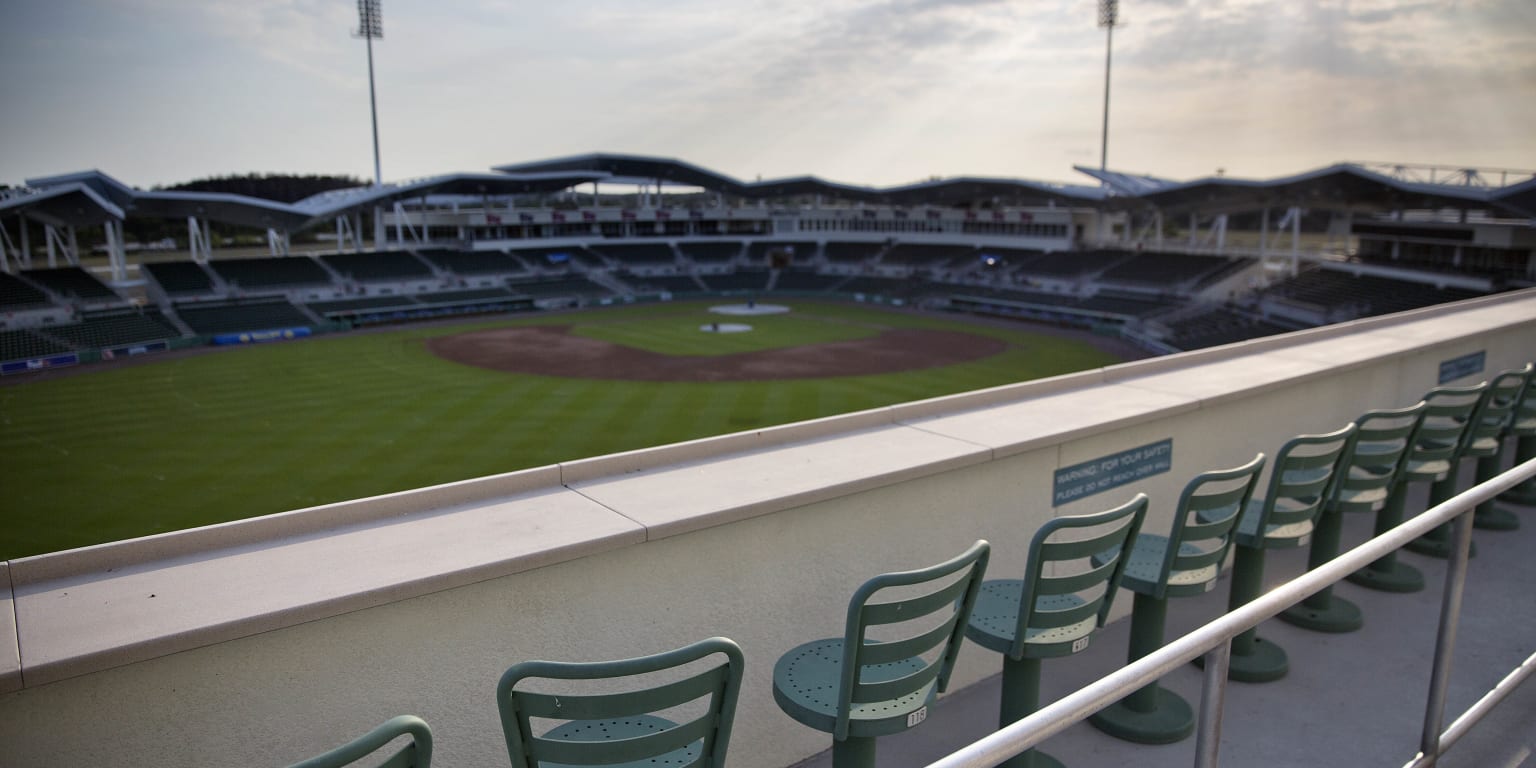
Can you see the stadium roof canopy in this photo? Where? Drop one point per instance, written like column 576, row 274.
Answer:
column 66, row 205
column 92, row 197
column 642, row 170
column 1344, row 186
column 328, row 205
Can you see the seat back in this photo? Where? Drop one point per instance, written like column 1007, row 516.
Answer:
column 1497, row 408
column 710, row 729
column 1208, row 510
column 927, row 609
column 1524, row 419
column 416, row 754
column 1086, row 555
column 1448, row 414
column 1374, row 460
column 1303, row 478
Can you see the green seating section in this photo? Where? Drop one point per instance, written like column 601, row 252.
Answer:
column 712, row 253
column 271, row 272
column 210, row 319
column 116, row 330
column 71, row 283
column 26, row 344
column 180, row 277
column 378, row 267
column 17, row 294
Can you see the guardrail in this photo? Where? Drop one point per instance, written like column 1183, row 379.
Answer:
column 1214, row 642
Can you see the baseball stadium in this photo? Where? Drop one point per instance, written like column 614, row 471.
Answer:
column 572, row 461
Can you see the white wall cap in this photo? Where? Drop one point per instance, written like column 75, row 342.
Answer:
column 83, row 623
column 1231, row 379
column 1057, row 418
column 10, row 654
column 679, row 498
column 584, row 470
column 104, row 557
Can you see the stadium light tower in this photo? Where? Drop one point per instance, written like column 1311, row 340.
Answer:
column 1109, row 15
column 370, row 25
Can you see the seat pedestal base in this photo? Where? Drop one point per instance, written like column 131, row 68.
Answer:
column 853, row 752
column 1495, row 519
column 1336, row 617
column 1263, row 662
column 1436, row 543
column 1389, row 577
column 1171, row 719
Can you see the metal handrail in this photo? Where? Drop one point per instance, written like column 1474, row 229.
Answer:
column 1214, row 641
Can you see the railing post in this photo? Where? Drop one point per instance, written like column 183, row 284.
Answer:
column 1213, row 696
column 1445, row 640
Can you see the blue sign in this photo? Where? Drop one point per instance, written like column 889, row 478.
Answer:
column 262, row 337
column 39, row 363
column 1080, row 481
column 1466, row 365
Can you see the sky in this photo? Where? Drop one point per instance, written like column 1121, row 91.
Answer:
column 876, row 92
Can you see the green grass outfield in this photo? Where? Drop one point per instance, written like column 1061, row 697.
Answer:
column 121, row 452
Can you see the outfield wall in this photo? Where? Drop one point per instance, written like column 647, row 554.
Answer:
column 267, row 640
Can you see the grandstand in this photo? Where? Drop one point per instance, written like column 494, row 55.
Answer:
column 385, row 266
column 638, row 255
column 114, row 328
column 710, row 252
column 71, row 283
column 17, row 294
column 1046, row 253
column 259, row 273
column 179, row 277
column 237, row 316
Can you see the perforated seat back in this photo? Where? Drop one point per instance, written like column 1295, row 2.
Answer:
column 929, row 615
column 1085, row 556
column 1208, row 510
column 1497, row 407
column 415, row 754
column 1380, row 449
column 1303, row 478
column 636, row 732
column 1446, row 419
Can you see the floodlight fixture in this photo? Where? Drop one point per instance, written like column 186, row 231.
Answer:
column 1109, row 12
column 370, row 26
column 1109, row 16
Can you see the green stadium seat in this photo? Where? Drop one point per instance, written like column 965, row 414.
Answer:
column 621, row 729
column 1183, row 563
column 1483, row 440
column 416, row 754
column 1368, row 471
column 858, row 687
column 1523, row 428
column 1300, row 483
column 1432, row 457
column 1056, row 608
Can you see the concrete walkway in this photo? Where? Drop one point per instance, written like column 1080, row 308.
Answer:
column 1354, row 699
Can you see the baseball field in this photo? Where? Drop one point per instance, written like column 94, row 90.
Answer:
column 118, row 451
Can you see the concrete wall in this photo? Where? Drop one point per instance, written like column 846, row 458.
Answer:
column 266, row 641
